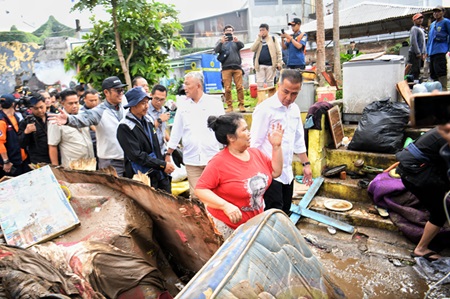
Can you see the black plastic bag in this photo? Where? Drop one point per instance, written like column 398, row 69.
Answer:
column 381, row 127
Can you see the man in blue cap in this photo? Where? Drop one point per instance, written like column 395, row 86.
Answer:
column 295, row 44
column 13, row 158
column 139, row 141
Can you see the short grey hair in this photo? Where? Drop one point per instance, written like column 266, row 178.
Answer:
column 293, row 76
column 195, row 75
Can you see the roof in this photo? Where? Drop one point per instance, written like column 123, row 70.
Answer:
column 369, row 18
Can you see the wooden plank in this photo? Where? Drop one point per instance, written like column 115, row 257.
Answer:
column 265, row 93
column 337, row 130
column 370, row 56
column 405, row 91
column 328, row 221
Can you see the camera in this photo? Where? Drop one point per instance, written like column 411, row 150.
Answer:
column 30, row 119
column 229, row 37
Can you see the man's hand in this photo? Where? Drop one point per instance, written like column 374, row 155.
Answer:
column 30, row 128
column 235, row 39
column 223, row 39
column 7, row 167
column 307, row 175
column 165, row 116
column 59, row 119
column 169, row 168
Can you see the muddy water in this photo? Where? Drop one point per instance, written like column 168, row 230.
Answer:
column 363, row 265
column 370, row 278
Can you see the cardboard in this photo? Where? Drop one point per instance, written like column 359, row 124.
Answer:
column 34, row 208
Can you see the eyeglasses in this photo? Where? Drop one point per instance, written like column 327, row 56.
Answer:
column 119, row 90
column 159, row 100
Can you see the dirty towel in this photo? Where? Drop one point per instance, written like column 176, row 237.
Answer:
column 405, row 210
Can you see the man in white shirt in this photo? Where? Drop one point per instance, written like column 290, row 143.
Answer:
column 106, row 118
column 281, row 108
column 73, row 144
column 190, row 124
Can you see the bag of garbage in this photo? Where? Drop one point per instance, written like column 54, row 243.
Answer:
column 381, row 127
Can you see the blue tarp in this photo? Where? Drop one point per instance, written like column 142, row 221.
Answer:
column 210, row 66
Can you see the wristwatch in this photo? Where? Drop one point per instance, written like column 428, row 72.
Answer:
column 6, row 161
column 306, row 163
column 159, row 120
column 168, row 154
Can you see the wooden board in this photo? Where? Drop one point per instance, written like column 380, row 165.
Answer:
column 405, row 91
column 370, row 56
column 337, row 131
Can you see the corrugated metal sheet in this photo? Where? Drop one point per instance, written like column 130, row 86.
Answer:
column 370, row 18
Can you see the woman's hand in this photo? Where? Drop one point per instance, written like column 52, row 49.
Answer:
column 275, row 135
column 233, row 213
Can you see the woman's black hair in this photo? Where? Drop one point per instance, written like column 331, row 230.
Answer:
column 224, row 125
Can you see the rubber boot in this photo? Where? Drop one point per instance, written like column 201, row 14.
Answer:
column 443, row 80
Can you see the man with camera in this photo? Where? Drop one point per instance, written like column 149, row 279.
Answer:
column 33, row 130
column 14, row 160
column 295, row 44
column 229, row 48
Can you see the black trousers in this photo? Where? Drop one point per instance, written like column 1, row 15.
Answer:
column 279, row 196
column 438, row 66
column 163, row 184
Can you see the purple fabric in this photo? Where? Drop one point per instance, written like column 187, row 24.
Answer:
column 405, row 210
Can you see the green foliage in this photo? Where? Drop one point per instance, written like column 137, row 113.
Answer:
column 19, row 36
column 174, row 87
column 146, row 31
column 394, row 49
column 53, row 28
column 347, row 57
column 339, row 94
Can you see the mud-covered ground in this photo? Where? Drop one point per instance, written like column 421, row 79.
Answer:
column 371, row 263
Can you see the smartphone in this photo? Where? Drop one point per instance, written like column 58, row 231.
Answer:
column 229, row 36
column 282, row 31
column 429, row 110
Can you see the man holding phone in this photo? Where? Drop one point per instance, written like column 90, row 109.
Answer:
column 228, row 48
column 295, row 44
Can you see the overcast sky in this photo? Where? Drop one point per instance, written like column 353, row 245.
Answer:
column 28, row 15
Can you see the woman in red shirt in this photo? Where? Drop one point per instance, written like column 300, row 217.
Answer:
column 234, row 181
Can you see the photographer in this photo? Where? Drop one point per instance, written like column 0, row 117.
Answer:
column 229, row 48
column 33, row 130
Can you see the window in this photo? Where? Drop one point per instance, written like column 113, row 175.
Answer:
column 291, row 2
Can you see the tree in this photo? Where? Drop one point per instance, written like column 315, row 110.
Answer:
column 134, row 42
column 320, row 41
column 336, row 42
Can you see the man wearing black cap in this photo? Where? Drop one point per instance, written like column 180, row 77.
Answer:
column 33, row 131
column 295, row 44
column 438, row 46
column 13, row 158
column 106, row 118
column 139, row 141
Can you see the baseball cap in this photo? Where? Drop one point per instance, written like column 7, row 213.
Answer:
column 294, row 20
column 112, row 82
column 7, row 100
column 439, row 8
column 135, row 95
column 417, row 16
